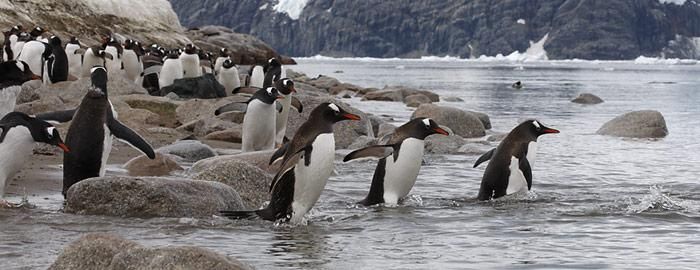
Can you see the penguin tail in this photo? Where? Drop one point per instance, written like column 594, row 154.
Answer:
column 240, row 214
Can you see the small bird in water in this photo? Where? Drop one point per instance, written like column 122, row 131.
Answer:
column 517, row 85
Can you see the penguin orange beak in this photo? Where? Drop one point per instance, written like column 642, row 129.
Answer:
column 550, row 130
column 351, row 116
column 441, row 131
column 294, row 90
column 36, row 77
column 64, row 147
column 280, row 97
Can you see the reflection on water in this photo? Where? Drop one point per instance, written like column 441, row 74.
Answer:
column 597, row 202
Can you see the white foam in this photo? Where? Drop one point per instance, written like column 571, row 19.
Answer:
column 643, row 60
column 520, row 21
column 263, row 7
column 677, row 2
column 293, row 8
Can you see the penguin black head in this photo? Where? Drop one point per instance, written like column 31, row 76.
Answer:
column 421, row 127
column 74, row 40
column 228, row 64
column 531, row 129
column 267, row 95
column 24, row 36
column 15, row 73
column 36, row 32
column 16, row 29
column 55, row 41
column 173, row 54
column 98, row 78
column 223, row 52
column 190, row 49
column 332, row 113
column 40, row 130
column 129, row 44
column 273, row 62
column 285, row 86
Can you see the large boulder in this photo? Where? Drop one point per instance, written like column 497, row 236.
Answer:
column 440, row 144
column 111, row 252
column 324, row 82
column 150, row 197
column 205, row 86
column 189, row 150
column 162, row 106
column 398, row 93
column 251, row 182
column 484, row 118
column 637, row 124
column 587, row 98
column 195, row 109
column 163, row 164
column 462, row 123
column 345, row 131
column 258, row 159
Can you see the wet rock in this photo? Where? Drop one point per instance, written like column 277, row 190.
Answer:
column 209, row 125
column 484, row 118
column 189, row 150
column 416, row 100
column 452, row 99
column 398, row 93
column 111, row 252
column 637, row 124
column 259, row 159
column 462, row 123
column 28, row 92
column 440, row 144
column 251, row 182
column 233, row 135
column 150, row 197
column 587, row 98
column 324, row 82
column 162, row 165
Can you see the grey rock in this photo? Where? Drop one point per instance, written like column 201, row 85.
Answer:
column 452, row 99
column 28, row 93
column 259, row 159
column 384, row 129
column 398, row 93
column 246, row 49
column 416, row 100
column 636, row 124
column 484, row 118
column 587, row 98
column 162, row 165
column 209, row 125
column 233, row 135
column 189, row 150
column 324, row 82
column 462, row 123
column 150, row 197
column 251, row 182
column 440, row 144
column 362, row 141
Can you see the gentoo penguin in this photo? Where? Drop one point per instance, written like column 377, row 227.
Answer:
column 171, row 70
column 113, row 47
column 257, row 76
column 509, row 170
column 131, row 60
column 190, row 62
column 286, row 88
column 12, row 75
column 11, row 37
column 223, row 56
column 93, row 56
column 259, row 121
column 152, row 65
column 22, row 38
column 205, row 62
column 400, row 155
column 18, row 132
column 75, row 61
column 272, row 71
column 228, row 76
column 34, row 53
column 517, row 85
column 36, row 33
column 91, row 132
column 307, row 162
column 57, row 63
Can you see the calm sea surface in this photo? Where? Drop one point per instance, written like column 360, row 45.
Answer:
column 597, row 202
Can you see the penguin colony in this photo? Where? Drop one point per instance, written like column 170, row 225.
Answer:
column 306, row 160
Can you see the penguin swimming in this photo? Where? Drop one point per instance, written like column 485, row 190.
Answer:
column 75, row 61
column 18, row 133
column 131, row 60
column 228, row 76
column 509, row 170
column 91, row 131
column 171, row 70
column 400, row 156
column 307, row 162
column 190, row 62
column 57, row 63
column 517, row 85
column 259, row 121
column 94, row 56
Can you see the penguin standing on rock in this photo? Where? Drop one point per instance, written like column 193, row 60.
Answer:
column 57, row 63
column 131, row 60
column 35, row 53
column 205, row 62
column 228, row 76
column 94, row 56
column 113, row 47
column 509, row 170
column 94, row 124
column 171, row 70
column 400, row 155
column 273, row 71
column 152, row 65
column 259, row 121
column 75, row 61
column 8, row 47
column 286, row 89
column 307, row 163
column 219, row 62
column 190, row 62
column 257, row 77
column 18, row 134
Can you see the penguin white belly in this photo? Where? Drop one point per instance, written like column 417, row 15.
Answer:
column 229, row 79
column 171, row 70
column 8, row 99
column 74, row 60
column 258, row 77
column 17, row 49
column 283, row 73
column 281, row 121
column 106, row 150
column 218, row 64
column 516, row 179
column 115, row 64
column 17, row 149
column 400, row 175
column 258, row 127
column 531, row 153
column 310, row 181
column 132, row 67
column 89, row 61
column 190, row 66
column 32, row 55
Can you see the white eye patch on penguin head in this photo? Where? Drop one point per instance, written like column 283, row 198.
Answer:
column 536, row 124
column 334, row 107
column 426, row 121
column 50, row 132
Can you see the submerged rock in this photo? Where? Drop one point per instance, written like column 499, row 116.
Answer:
column 587, row 98
column 251, row 182
column 462, row 123
column 399, row 93
column 189, row 150
column 147, row 197
column 111, row 252
column 637, row 124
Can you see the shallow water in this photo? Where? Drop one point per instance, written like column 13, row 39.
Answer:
column 597, row 202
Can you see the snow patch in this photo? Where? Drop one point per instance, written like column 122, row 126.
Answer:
column 677, row 2
column 521, row 21
column 535, row 52
column 293, row 8
column 263, row 7
column 500, row 58
column 643, row 60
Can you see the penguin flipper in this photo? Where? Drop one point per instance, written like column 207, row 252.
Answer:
column 57, row 116
column 279, row 154
column 279, row 107
column 370, row 152
column 288, row 165
column 296, row 103
column 486, row 156
column 129, row 136
column 3, row 133
column 527, row 171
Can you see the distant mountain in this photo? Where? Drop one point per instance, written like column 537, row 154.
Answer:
column 585, row 29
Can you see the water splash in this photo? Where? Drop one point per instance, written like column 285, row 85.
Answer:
column 655, row 201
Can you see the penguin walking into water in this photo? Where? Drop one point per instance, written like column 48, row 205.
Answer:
column 94, row 124
column 131, row 60
column 257, row 77
column 57, row 63
column 509, row 170
column 75, row 60
column 18, row 134
column 171, row 69
column 12, row 75
column 273, row 71
column 114, row 48
column 286, row 88
column 94, row 56
column 228, row 76
column 259, row 121
column 190, row 62
column 307, row 163
column 400, row 155
column 219, row 62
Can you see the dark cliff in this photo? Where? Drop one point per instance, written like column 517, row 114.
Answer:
column 586, row 29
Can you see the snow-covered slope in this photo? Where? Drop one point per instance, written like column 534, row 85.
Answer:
column 148, row 21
